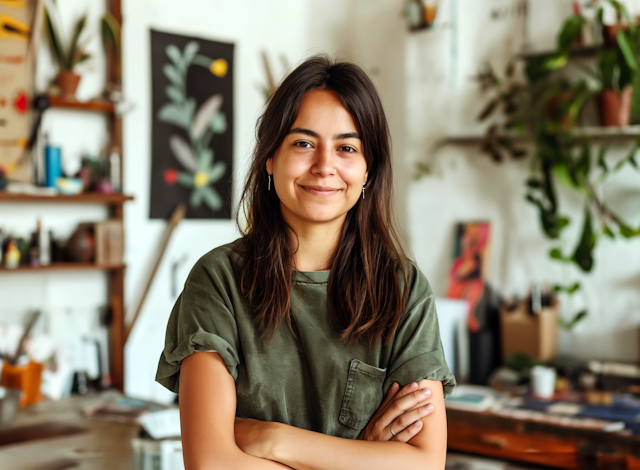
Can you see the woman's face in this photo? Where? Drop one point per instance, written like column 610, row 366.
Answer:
column 319, row 169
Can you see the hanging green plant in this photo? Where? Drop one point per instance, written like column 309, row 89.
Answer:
column 544, row 110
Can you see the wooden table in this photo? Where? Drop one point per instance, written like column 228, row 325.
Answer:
column 540, row 443
column 68, row 439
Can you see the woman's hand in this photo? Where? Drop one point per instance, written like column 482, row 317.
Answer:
column 254, row 437
column 402, row 410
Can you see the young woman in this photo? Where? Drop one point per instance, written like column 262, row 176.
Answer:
column 314, row 316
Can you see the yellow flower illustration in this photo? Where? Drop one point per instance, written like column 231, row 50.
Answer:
column 219, row 67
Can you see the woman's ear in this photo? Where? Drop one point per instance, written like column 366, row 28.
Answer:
column 270, row 166
column 366, row 177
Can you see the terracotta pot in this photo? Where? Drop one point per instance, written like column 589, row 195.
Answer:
column 609, row 32
column 68, row 82
column 553, row 106
column 615, row 108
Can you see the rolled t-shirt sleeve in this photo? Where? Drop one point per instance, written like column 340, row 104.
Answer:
column 417, row 352
column 201, row 320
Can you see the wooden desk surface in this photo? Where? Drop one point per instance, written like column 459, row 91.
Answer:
column 541, row 443
column 103, row 446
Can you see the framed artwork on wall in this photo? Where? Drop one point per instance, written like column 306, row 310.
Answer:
column 192, row 126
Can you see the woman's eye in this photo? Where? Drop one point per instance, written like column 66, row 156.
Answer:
column 347, row 149
column 304, row 145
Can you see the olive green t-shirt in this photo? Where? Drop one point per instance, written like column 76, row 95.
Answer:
column 312, row 381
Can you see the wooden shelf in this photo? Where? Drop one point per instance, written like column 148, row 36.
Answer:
column 577, row 53
column 86, row 198
column 63, row 267
column 98, row 106
column 595, row 133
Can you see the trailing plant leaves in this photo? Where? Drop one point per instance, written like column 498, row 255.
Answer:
column 573, row 322
column 218, row 123
column 628, row 232
column 570, row 32
column 583, row 255
column 533, row 183
column 608, row 232
column 601, row 160
column 572, row 289
column 556, row 253
column 635, row 99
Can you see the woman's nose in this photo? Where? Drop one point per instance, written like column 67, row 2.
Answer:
column 324, row 164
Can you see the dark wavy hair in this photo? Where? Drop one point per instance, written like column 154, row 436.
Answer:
column 367, row 288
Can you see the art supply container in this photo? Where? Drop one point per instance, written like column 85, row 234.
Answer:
column 27, row 377
column 543, row 381
column 53, row 165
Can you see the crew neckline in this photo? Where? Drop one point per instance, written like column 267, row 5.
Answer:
column 313, row 277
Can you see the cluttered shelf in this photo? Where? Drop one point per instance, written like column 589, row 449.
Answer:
column 64, row 266
column 592, row 132
column 84, row 198
column 100, row 106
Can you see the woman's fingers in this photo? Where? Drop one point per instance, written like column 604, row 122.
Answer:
column 408, row 402
column 405, row 426
column 393, row 390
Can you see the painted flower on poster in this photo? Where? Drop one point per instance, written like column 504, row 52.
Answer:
column 199, row 171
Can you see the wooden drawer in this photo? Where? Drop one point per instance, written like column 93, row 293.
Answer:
column 541, row 449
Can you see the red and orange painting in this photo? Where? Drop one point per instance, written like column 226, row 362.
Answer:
column 467, row 275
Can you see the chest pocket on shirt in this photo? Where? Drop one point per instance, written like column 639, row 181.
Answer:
column 363, row 394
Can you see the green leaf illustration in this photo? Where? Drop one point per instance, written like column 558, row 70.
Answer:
column 212, row 198
column 173, row 75
column 196, row 197
column 205, row 157
column 175, row 94
column 190, row 51
column 219, row 123
column 176, row 57
column 186, row 179
column 217, row 171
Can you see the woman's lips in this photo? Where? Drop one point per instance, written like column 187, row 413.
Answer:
column 320, row 190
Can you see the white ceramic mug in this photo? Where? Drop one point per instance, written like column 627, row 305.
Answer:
column 543, row 380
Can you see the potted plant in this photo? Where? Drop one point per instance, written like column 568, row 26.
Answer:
column 67, row 54
column 618, row 64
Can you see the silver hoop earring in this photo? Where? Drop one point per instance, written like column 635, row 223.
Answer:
column 363, row 188
column 269, row 182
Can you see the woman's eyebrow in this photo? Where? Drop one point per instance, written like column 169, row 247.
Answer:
column 310, row 133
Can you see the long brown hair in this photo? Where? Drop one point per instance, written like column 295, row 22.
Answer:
column 367, row 289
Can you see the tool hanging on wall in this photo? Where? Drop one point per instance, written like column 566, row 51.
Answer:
column 174, row 220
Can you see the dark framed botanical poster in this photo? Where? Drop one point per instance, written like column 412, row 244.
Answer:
column 192, row 126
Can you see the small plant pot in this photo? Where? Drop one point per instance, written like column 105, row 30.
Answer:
column 68, row 83
column 609, row 32
column 27, row 378
column 615, row 108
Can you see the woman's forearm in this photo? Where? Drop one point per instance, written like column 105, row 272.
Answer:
column 237, row 460
column 308, row 450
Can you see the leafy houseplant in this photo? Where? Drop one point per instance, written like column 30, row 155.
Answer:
column 544, row 110
column 67, row 55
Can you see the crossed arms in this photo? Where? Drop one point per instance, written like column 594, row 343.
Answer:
column 213, row 438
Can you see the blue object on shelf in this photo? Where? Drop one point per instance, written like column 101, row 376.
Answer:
column 53, row 165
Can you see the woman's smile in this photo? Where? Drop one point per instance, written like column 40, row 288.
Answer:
column 323, row 191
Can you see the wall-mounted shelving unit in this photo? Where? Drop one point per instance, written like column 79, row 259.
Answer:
column 114, row 202
column 594, row 133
